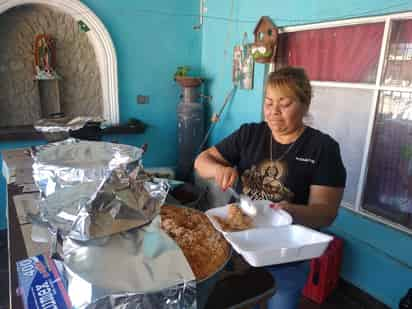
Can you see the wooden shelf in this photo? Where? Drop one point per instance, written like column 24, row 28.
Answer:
column 125, row 129
column 21, row 133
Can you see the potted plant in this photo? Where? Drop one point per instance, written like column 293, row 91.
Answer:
column 181, row 76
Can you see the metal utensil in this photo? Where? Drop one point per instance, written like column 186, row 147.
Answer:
column 245, row 203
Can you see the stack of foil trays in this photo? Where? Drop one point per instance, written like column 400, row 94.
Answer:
column 55, row 125
column 58, row 127
column 96, row 196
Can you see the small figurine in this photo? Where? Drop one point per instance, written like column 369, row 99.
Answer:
column 45, row 57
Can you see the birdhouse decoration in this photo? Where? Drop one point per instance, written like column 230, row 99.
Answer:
column 266, row 35
column 45, row 57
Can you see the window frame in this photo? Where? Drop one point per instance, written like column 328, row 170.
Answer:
column 376, row 87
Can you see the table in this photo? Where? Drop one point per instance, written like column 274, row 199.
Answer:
column 252, row 287
column 16, row 245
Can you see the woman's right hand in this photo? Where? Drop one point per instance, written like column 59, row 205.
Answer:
column 210, row 164
column 225, row 176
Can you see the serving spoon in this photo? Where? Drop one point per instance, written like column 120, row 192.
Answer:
column 245, row 203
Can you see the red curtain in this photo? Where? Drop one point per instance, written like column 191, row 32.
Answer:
column 402, row 32
column 345, row 54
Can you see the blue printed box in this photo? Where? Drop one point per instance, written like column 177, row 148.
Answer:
column 41, row 285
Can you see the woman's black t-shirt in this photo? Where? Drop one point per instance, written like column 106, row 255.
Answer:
column 313, row 159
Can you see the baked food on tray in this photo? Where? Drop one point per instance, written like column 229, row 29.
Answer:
column 204, row 247
column 236, row 220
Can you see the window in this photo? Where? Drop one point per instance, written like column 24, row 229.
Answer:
column 388, row 190
column 361, row 73
column 398, row 69
column 342, row 54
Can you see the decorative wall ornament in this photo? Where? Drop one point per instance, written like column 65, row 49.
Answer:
column 266, row 35
column 82, row 26
column 243, row 65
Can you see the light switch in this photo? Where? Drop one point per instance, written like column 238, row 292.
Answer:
column 142, row 99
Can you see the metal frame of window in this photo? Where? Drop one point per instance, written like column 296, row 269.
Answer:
column 377, row 87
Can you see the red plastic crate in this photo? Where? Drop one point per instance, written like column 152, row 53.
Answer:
column 324, row 272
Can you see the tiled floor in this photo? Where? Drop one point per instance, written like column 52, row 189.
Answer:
column 338, row 300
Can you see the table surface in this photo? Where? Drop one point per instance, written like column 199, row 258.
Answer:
column 16, row 245
column 253, row 286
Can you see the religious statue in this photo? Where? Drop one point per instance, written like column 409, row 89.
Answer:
column 45, row 57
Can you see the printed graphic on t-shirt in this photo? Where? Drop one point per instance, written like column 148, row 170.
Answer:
column 308, row 160
column 266, row 181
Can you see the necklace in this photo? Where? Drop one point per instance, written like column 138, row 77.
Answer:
column 286, row 151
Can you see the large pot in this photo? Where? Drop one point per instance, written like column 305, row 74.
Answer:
column 205, row 286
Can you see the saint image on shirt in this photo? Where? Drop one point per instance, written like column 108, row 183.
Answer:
column 265, row 181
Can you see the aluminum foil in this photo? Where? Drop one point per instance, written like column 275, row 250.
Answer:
column 141, row 268
column 72, row 162
column 95, row 189
column 54, row 125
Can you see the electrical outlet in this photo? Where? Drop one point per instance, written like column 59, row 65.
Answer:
column 142, row 99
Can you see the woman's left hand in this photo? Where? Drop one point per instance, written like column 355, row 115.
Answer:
column 279, row 205
column 321, row 209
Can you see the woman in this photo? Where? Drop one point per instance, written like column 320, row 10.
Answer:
column 297, row 167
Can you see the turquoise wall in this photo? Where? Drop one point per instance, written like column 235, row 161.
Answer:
column 151, row 39
column 377, row 258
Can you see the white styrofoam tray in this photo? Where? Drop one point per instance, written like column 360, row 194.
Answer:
column 273, row 239
column 278, row 245
column 265, row 216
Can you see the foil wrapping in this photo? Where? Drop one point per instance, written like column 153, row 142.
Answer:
column 141, row 268
column 55, row 125
column 106, row 208
column 95, row 189
column 72, row 162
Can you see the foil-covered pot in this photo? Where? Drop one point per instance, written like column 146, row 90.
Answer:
column 141, row 268
column 72, row 162
column 95, row 189
column 123, row 202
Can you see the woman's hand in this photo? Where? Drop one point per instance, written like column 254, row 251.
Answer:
column 210, row 164
column 225, row 176
column 279, row 205
column 321, row 209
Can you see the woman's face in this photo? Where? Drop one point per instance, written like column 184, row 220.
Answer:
column 283, row 114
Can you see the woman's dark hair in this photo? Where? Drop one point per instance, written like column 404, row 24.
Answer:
column 293, row 81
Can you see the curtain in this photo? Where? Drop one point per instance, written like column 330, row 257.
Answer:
column 403, row 31
column 345, row 54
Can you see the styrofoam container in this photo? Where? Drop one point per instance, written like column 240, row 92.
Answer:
column 265, row 216
column 278, row 245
